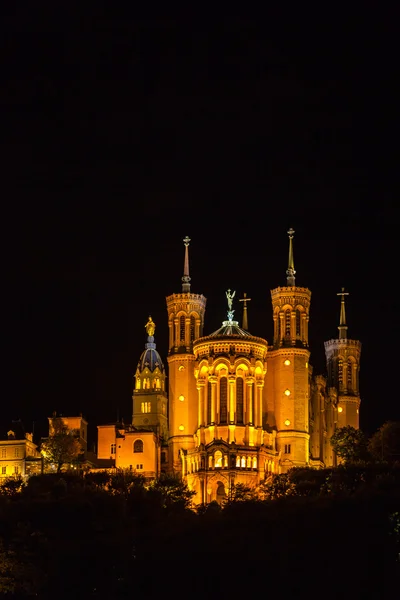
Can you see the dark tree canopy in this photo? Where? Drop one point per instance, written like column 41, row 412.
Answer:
column 350, row 444
column 385, row 443
column 62, row 447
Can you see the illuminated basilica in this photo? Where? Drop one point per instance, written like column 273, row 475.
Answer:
column 236, row 409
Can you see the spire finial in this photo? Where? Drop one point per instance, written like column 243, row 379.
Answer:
column 186, row 277
column 290, row 270
column 229, row 296
column 245, row 300
column 342, row 325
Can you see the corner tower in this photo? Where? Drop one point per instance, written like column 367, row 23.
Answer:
column 149, row 393
column 287, row 388
column 343, row 365
column 185, row 321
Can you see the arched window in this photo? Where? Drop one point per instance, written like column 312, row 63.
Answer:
column 209, row 402
column 221, row 495
column 218, row 459
column 138, row 446
column 239, row 399
column 349, row 375
column 223, row 400
column 243, row 461
column 340, row 374
column 182, row 329
column 254, row 462
column 287, row 322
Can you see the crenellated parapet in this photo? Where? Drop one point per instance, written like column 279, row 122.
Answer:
column 292, row 296
column 211, row 347
column 291, row 310
column 343, row 347
column 187, row 302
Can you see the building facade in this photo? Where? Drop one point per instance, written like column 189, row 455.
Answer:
column 19, row 456
column 237, row 409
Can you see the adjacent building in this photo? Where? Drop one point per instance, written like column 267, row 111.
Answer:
column 19, row 456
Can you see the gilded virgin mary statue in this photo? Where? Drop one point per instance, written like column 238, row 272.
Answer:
column 150, row 327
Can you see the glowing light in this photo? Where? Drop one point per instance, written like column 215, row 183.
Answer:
column 181, row 428
column 287, row 422
column 306, row 365
column 287, row 362
column 287, row 392
column 181, row 368
column 340, row 409
column 181, row 398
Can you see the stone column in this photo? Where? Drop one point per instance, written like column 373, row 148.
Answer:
column 200, row 389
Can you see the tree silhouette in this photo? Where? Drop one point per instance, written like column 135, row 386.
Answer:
column 385, row 443
column 350, row 444
column 62, row 447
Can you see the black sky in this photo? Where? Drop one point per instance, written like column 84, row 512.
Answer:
column 121, row 135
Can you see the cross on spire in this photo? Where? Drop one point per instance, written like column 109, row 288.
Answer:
column 290, row 273
column 186, row 276
column 245, row 300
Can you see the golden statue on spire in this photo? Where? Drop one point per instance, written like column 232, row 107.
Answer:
column 150, row 327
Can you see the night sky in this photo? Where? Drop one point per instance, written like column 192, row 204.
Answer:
column 123, row 134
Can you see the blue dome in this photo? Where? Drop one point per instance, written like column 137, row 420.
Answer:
column 150, row 359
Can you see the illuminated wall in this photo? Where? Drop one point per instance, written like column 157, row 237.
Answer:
column 14, row 454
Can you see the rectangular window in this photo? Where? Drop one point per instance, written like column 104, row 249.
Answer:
column 16, row 469
column 16, row 452
column 3, row 453
column 139, row 467
column 209, row 402
column 239, row 400
column 3, row 470
column 112, row 448
column 287, row 449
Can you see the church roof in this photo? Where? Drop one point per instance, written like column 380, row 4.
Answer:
column 150, row 358
column 230, row 328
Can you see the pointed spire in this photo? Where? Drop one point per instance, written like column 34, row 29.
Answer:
column 290, row 270
column 245, row 300
column 342, row 325
column 186, row 277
